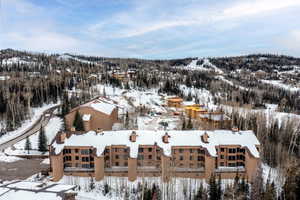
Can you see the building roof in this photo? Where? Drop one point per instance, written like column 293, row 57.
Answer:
column 100, row 104
column 177, row 138
column 17, row 190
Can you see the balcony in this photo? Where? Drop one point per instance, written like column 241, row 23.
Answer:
column 116, row 169
column 230, row 169
column 78, row 169
column 148, row 169
column 186, row 169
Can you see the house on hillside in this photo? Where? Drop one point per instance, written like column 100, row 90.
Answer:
column 174, row 102
column 98, row 114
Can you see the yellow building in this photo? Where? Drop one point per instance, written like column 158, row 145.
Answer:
column 174, row 102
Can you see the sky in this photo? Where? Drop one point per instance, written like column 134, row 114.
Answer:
column 152, row 29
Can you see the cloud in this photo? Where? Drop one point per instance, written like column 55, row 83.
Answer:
column 140, row 20
column 291, row 41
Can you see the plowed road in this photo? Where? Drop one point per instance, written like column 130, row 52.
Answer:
column 42, row 121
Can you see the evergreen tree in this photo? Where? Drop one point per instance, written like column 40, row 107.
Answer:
column 78, row 122
column 190, row 124
column 213, row 188
column 199, row 194
column 183, row 125
column 27, row 145
column 42, row 142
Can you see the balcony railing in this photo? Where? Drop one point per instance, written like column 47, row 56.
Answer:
column 78, row 169
column 230, row 169
column 186, row 169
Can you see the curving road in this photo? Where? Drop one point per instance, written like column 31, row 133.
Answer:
column 42, row 121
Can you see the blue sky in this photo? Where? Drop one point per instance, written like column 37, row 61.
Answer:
column 152, row 28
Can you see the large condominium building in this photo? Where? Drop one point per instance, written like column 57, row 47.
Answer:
column 132, row 154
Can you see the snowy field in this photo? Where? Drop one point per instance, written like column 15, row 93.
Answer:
column 36, row 114
column 279, row 84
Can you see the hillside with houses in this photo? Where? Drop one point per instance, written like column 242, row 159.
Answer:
column 116, row 128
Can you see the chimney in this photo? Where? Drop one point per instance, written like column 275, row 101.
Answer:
column 205, row 137
column 73, row 129
column 165, row 138
column 99, row 131
column 133, row 136
column 235, row 129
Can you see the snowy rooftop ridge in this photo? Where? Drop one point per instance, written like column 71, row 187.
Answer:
column 100, row 104
column 177, row 138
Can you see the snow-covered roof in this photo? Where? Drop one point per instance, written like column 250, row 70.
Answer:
column 33, row 190
column 177, row 138
column 105, row 106
column 86, row 117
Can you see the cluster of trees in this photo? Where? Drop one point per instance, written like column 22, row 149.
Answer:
column 42, row 142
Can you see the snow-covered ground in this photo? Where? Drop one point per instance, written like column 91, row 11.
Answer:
column 205, row 66
column 222, row 78
column 279, row 84
column 54, row 125
column 36, row 113
column 5, row 158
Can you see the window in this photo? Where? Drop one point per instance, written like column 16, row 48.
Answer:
column 231, row 158
column 150, row 157
column 141, row 150
column 92, row 165
column 191, row 150
column 158, row 157
column 86, row 166
column 76, row 150
column 231, row 164
column 232, row 150
column 191, row 165
column 200, row 158
column 222, row 150
column 106, row 158
column 116, row 149
column 199, row 165
column 67, row 158
column 150, row 149
column 85, row 151
column 241, row 164
column 140, row 157
column 222, row 156
column 77, row 158
column 222, row 164
column 66, row 151
column 85, row 159
column 126, row 150
column 125, row 164
column 191, row 157
column 181, row 158
column 180, row 150
column 117, row 156
column 91, row 158
column 106, row 151
column 117, row 164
